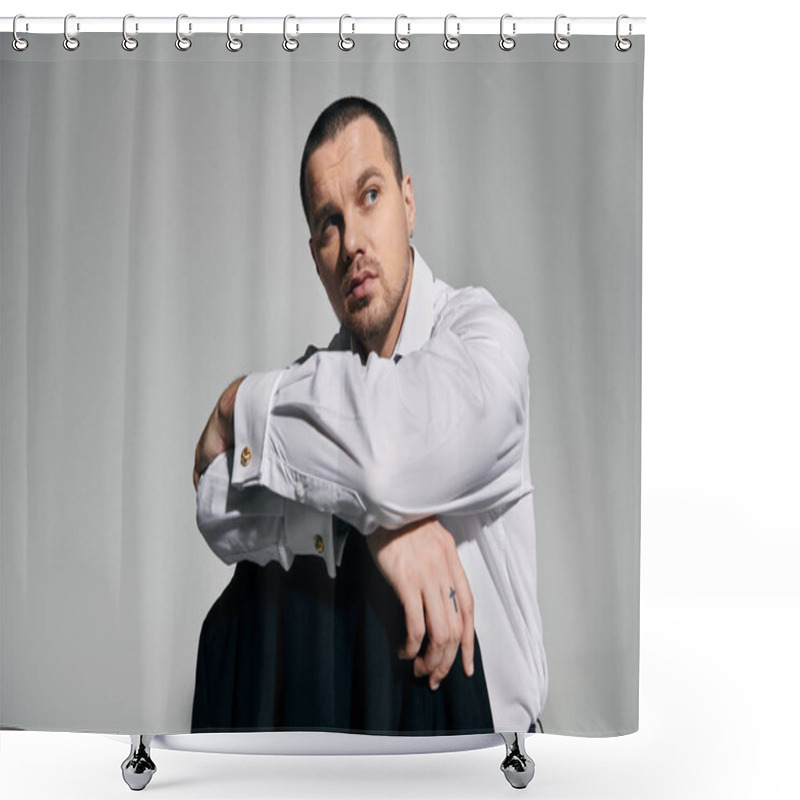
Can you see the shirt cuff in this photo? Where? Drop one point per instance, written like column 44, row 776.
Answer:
column 250, row 413
column 310, row 532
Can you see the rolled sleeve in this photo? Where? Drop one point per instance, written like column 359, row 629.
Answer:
column 441, row 431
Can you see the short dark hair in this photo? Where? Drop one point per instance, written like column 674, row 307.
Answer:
column 333, row 120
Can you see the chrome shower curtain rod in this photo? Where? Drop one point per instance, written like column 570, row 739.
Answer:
column 461, row 26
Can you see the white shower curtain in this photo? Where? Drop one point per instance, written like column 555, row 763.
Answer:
column 154, row 248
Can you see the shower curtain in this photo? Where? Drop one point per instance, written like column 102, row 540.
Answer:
column 154, row 247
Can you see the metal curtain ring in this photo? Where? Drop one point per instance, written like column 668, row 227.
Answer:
column 400, row 42
column 289, row 44
column 561, row 43
column 233, row 44
column 345, row 42
column 129, row 43
column 181, row 41
column 19, row 44
column 623, row 45
column 451, row 42
column 507, row 42
column 70, row 42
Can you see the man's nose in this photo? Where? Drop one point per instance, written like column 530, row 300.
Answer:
column 353, row 236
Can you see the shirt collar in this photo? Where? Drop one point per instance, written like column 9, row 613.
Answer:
column 418, row 319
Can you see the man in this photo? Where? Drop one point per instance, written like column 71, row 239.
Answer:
column 409, row 433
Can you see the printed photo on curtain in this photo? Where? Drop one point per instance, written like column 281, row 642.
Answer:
column 402, row 440
column 383, row 306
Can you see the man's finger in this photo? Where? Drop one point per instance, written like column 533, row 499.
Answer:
column 415, row 625
column 466, row 606
column 443, row 667
column 199, row 465
column 453, row 616
column 438, row 628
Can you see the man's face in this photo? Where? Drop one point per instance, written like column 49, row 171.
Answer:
column 361, row 221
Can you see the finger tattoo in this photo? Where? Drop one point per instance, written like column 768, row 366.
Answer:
column 453, row 598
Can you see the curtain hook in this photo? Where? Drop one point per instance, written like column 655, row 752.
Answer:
column 129, row 43
column 70, row 42
column 345, row 42
column 233, row 44
column 451, row 42
column 507, row 42
column 182, row 42
column 623, row 45
column 400, row 42
column 290, row 44
column 19, row 44
column 561, row 43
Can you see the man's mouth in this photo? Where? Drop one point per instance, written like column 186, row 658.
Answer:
column 360, row 285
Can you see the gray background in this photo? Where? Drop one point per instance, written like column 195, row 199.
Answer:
column 153, row 247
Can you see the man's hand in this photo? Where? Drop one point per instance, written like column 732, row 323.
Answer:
column 421, row 564
column 217, row 436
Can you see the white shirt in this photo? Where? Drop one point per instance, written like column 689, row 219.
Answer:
column 443, row 430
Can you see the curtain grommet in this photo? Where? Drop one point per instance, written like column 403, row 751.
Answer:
column 401, row 43
column 451, row 42
column 561, row 43
column 345, row 42
column 18, row 43
column 71, row 43
column 233, row 44
column 183, row 43
column 507, row 42
column 290, row 44
column 129, row 43
column 622, row 44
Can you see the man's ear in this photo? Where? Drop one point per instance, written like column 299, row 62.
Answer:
column 409, row 205
column 313, row 254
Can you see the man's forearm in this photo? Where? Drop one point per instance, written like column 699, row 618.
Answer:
column 225, row 407
column 421, row 563
column 218, row 435
column 383, row 443
column 256, row 524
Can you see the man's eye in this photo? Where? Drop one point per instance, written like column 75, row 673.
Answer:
column 328, row 223
column 371, row 196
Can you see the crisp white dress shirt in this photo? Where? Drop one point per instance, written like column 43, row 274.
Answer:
column 442, row 428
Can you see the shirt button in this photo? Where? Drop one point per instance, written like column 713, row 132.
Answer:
column 319, row 545
column 300, row 491
column 247, row 454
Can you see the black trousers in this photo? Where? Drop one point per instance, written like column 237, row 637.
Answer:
column 298, row 650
